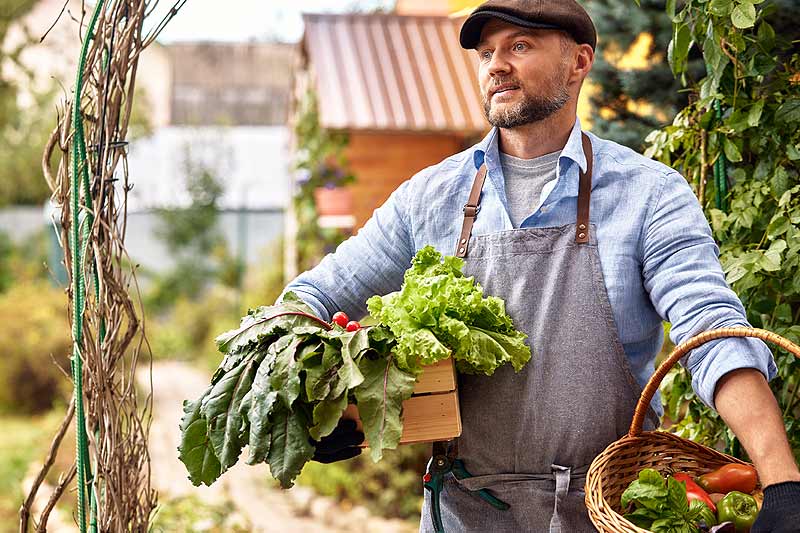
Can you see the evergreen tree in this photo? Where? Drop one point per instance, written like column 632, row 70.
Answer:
column 617, row 110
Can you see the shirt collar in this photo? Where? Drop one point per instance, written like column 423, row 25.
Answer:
column 487, row 150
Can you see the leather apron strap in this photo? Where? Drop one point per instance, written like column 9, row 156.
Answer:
column 472, row 207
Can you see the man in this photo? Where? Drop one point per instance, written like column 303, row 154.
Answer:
column 591, row 246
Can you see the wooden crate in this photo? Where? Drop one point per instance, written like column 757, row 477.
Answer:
column 431, row 414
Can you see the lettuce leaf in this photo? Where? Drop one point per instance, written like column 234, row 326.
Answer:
column 439, row 312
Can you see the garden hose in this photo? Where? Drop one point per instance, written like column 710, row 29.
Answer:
column 720, row 167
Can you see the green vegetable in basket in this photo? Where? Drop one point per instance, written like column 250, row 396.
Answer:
column 739, row 508
column 660, row 505
column 440, row 312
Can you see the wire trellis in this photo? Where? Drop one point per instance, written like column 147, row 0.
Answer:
column 113, row 419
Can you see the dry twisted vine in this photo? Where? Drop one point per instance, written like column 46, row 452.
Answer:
column 117, row 416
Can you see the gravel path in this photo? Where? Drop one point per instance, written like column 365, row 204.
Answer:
column 264, row 508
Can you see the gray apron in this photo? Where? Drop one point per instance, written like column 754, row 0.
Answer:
column 529, row 437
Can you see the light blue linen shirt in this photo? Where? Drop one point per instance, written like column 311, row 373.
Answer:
column 658, row 257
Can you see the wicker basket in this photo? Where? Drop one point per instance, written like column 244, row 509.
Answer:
column 619, row 464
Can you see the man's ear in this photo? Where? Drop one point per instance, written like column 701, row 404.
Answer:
column 584, row 59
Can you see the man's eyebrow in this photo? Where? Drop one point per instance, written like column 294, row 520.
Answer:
column 530, row 32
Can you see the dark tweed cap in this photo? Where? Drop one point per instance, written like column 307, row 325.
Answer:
column 565, row 15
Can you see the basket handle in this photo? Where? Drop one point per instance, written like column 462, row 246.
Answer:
column 685, row 347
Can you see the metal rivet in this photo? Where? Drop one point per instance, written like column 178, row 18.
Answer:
column 582, row 226
column 461, row 250
column 463, row 241
column 581, row 235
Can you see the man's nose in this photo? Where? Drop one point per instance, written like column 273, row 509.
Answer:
column 499, row 64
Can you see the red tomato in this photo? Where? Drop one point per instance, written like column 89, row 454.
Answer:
column 340, row 318
column 693, row 490
column 730, row 477
column 352, row 326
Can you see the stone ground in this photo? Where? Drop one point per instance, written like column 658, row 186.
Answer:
column 264, row 508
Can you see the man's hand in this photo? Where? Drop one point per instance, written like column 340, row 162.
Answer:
column 746, row 403
column 780, row 512
column 340, row 445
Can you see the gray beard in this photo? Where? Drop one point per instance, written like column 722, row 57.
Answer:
column 528, row 110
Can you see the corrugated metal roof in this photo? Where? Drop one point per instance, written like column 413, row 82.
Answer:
column 392, row 72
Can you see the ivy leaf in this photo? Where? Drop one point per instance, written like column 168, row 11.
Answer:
column 778, row 226
column 290, row 448
column 720, row 8
column 779, row 182
column 789, row 111
column 735, row 274
column 792, row 152
column 196, row 451
column 380, row 401
column 678, row 49
column 732, row 151
column 766, row 36
column 754, row 116
column 771, row 261
column 743, row 15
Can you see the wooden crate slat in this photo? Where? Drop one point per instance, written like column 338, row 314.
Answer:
column 440, row 377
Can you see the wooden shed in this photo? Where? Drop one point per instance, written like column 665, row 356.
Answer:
column 400, row 86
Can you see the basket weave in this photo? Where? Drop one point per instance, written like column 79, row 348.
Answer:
column 620, row 463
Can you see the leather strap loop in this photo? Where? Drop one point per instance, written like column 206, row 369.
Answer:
column 471, row 210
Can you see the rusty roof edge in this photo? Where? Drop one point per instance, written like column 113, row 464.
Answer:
column 345, row 113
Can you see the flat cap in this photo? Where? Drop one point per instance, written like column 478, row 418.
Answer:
column 566, row 15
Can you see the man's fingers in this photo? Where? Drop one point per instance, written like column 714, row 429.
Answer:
column 336, row 441
column 341, row 455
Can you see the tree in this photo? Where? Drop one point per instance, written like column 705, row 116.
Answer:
column 192, row 237
column 639, row 94
column 23, row 129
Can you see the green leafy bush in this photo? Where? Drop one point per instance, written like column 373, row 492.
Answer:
column 738, row 144
column 392, row 486
column 34, row 332
column 189, row 514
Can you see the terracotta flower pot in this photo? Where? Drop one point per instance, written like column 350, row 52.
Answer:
column 333, row 202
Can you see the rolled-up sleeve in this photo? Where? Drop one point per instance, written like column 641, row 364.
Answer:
column 371, row 262
column 687, row 287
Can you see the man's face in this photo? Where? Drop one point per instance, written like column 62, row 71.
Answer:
column 523, row 73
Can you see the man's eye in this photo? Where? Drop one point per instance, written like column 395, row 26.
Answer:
column 485, row 55
column 519, row 47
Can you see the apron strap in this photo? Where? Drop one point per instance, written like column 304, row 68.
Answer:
column 472, row 207
column 562, row 475
column 584, row 194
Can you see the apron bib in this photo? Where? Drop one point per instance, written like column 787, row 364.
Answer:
column 529, row 437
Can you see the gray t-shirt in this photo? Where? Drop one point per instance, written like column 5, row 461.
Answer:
column 525, row 180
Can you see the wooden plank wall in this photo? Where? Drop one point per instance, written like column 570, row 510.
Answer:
column 382, row 162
